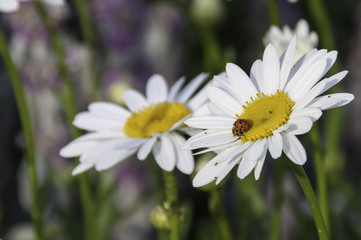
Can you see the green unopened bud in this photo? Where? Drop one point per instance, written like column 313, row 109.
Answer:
column 159, row 218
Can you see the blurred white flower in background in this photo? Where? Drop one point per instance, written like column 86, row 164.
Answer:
column 153, row 123
column 9, row 6
column 292, row 1
column 280, row 39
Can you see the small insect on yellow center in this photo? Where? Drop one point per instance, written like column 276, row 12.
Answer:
column 156, row 118
column 265, row 114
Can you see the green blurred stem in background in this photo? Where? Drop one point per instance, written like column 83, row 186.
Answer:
column 311, row 198
column 86, row 24
column 219, row 215
column 36, row 207
column 321, row 179
column 274, row 13
column 278, row 199
column 171, row 193
column 68, row 101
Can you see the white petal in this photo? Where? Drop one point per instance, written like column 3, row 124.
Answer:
column 184, row 160
column 275, row 145
column 220, row 147
column 293, row 149
column 164, row 153
column 211, row 122
column 332, row 100
column 271, row 69
column 191, row 87
column 97, row 152
column 259, row 165
column 304, row 59
column 84, row 143
column 214, row 167
column 320, row 88
column 134, row 100
column 256, row 75
column 175, row 89
column 82, row 167
column 299, row 125
column 224, row 101
column 76, row 148
column 241, row 82
column 109, row 109
column 309, row 96
column 228, row 166
column 309, row 78
column 313, row 113
column 246, row 165
column 222, row 82
column 287, row 63
column 93, row 122
column 257, row 148
column 198, row 100
column 303, row 65
column 8, row 6
column 157, row 89
column 281, row 129
column 146, row 148
column 111, row 158
column 209, row 139
column 331, row 81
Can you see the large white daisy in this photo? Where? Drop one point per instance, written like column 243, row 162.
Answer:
column 9, row 6
column 152, row 123
column 281, row 38
column 277, row 102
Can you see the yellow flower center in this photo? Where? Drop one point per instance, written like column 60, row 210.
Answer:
column 265, row 114
column 156, row 118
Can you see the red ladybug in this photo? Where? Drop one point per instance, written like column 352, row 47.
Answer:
column 240, row 126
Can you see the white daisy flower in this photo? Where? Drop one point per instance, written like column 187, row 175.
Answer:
column 265, row 111
column 306, row 40
column 8, row 6
column 152, row 123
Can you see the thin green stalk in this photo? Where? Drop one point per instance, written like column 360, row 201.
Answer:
column 320, row 174
column 171, row 192
column 274, row 13
column 312, row 201
column 68, row 101
column 218, row 214
column 36, row 209
column 82, row 7
column 277, row 206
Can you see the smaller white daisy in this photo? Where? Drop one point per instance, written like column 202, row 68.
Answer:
column 8, row 6
column 152, row 123
column 280, row 39
column 263, row 112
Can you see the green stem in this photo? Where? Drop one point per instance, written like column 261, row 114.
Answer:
column 274, row 13
column 320, row 174
column 36, row 210
column 68, row 101
column 82, row 7
column 218, row 212
column 276, row 214
column 312, row 201
column 171, row 192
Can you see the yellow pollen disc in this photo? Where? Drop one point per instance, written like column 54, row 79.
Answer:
column 265, row 114
column 156, row 118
